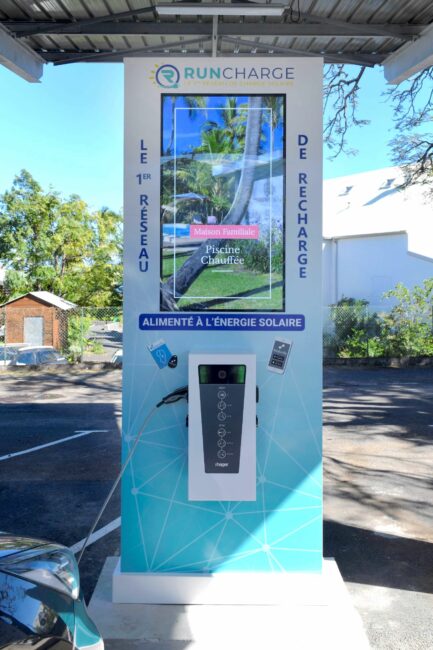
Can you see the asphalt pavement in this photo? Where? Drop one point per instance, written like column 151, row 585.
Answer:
column 55, row 491
column 378, row 459
column 60, row 449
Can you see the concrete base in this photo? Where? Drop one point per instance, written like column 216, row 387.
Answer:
column 299, row 624
column 226, row 588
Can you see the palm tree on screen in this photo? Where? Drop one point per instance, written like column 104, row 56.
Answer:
column 193, row 266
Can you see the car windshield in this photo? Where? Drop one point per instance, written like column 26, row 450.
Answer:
column 45, row 356
column 25, row 357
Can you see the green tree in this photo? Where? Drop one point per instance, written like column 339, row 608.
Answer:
column 55, row 244
column 407, row 329
column 275, row 115
column 227, row 135
column 192, row 102
column 218, row 139
column 97, row 281
column 192, row 268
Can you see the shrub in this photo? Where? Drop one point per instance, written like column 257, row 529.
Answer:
column 95, row 347
column 407, row 329
column 78, row 327
column 359, row 344
column 353, row 325
column 257, row 257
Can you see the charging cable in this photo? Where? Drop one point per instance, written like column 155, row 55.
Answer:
column 171, row 398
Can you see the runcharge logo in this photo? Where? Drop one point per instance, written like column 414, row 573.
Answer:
column 240, row 73
column 166, row 76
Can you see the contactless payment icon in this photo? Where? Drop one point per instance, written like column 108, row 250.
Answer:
column 160, row 353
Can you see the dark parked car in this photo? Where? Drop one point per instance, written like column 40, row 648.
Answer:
column 41, row 604
column 35, row 356
column 8, row 354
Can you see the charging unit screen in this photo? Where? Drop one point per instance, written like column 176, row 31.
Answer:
column 222, row 392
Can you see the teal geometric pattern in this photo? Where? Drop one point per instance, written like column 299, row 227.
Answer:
column 281, row 531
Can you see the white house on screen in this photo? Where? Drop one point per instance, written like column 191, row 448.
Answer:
column 375, row 235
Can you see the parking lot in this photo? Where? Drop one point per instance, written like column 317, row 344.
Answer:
column 63, row 431
column 60, row 450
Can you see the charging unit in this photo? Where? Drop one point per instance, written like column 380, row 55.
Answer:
column 222, row 427
column 221, row 295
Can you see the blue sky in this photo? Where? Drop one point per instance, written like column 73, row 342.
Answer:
column 191, row 122
column 68, row 131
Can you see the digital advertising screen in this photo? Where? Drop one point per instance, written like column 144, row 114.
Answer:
column 222, row 202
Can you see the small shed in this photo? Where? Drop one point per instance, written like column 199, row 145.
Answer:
column 37, row 318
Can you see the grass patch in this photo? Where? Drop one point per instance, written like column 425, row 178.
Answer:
column 214, row 284
column 167, row 263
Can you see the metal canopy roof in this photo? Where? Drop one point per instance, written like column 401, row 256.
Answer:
column 362, row 32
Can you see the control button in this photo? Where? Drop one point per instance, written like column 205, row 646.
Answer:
column 221, row 443
column 221, row 415
column 277, row 360
column 222, row 405
column 221, row 453
column 222, row 394
column 222, row 433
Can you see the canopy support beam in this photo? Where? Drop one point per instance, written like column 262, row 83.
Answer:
column 410, row 58
column 19, row 58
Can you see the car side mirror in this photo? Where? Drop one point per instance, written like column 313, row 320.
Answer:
column 52, row 566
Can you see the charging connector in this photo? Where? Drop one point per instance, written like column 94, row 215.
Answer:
column 174, row 396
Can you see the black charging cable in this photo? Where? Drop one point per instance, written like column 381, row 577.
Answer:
column 171, row 398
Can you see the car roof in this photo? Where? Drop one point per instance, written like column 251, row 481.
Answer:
column 35, row 348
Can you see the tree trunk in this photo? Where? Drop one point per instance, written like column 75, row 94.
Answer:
column 169, row 151
column 192, row 268
column 168, row 303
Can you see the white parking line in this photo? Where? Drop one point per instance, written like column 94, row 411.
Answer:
column 105, row 530
column 59, row 441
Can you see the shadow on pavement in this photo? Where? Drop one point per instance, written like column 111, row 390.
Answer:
column 394, row 404
column 379, row 559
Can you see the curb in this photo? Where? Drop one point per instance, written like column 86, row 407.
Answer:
column 75, row 368
column 380, row 362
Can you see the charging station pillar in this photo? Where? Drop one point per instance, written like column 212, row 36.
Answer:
column 222, row 293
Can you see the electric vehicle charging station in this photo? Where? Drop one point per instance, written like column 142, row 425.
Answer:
column 222, row 294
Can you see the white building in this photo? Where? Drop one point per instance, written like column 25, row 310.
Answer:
column 375, row 235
